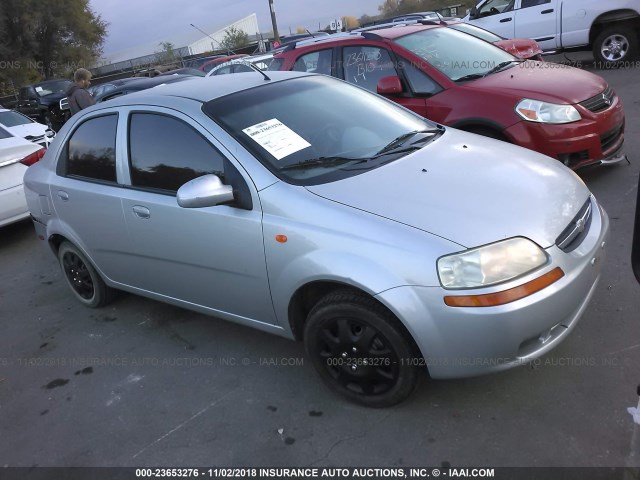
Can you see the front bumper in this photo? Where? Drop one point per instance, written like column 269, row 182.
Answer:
column 597, row 138
column 463, row 342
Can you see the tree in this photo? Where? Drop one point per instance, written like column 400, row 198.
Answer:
column 167, row 55
column 350, row 23
column 234, row 38
column 47, row 39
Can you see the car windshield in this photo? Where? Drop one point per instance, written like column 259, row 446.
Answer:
column 458, row 55
column 13, row 119
column 476, row 32
column 313, row 130
column 50, row 88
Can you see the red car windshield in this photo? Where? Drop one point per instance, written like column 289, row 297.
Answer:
column 456, row 54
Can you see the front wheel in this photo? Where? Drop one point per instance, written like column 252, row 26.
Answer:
column 360, row 351
column 85, row 283
column 615, row 45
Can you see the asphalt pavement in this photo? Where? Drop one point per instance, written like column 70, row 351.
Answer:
column 141, row 383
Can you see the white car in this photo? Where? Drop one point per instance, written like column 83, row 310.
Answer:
column 22, row 126
column 243, row 64
column 16, row 155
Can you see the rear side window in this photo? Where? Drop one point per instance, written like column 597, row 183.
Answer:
column 92, row 149
column 316, row 62
column 165, row 153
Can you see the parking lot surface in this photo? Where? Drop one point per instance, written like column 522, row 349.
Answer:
column 141, row 383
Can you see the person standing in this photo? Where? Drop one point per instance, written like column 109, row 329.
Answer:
column 77, row 94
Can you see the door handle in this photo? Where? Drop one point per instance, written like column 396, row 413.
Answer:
column 505, row 20
column 63, row 195
column 544, row 12
column 142, row 212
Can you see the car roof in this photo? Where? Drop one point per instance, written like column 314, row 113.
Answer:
column 379, row 32
column 204, row 89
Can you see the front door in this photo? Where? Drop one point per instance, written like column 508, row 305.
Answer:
column 212, row 257
column 537, row 19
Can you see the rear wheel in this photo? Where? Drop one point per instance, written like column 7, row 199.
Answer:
column 85, row 283
column 360, row 351
column 615, row 45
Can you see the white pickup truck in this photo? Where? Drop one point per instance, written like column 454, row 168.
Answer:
column 611, row 28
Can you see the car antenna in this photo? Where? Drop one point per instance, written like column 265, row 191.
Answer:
column 266, row 77
column 307, row 30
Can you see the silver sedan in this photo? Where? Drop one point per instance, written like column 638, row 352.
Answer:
column 306, row 207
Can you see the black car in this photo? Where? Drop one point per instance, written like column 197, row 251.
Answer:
column 137, row 84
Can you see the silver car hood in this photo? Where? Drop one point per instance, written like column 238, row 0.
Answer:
column 470, row 190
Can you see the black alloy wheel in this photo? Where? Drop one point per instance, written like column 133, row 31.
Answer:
column 359, row 349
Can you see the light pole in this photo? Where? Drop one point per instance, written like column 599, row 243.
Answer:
column 274, row 23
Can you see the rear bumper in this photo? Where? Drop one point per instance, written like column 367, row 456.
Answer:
column 13, row 205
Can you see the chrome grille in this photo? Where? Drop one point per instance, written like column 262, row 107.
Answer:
column 600, row 102
column 572, row 236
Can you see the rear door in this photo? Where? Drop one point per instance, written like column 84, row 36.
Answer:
column 87, row 193
column 538, row 19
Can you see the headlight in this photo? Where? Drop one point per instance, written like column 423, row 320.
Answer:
column 491, row 264
column 542, row 112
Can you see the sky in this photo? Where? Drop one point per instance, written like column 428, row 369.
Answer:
column 135, row 22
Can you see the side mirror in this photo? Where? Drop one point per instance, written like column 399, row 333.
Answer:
column 473, row 13
column 205, row 191
column 389, row 85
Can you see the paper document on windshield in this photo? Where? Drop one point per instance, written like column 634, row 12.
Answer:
column 276, row 138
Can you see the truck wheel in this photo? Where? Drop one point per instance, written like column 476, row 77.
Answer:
column 614, row 45
column 359, row 350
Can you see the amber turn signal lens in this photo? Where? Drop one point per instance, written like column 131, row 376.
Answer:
column 508, row 296
column 281, row 238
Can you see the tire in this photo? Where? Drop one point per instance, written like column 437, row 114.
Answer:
column 615, row 45
column 360, row 351
column 82, row 278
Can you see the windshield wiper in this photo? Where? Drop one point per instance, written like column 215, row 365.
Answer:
column 497, row 68
column 402, row 139
column 500, row 66
column 472, row 76
column 320, row 162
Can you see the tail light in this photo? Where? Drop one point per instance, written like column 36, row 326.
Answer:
column 34, row 157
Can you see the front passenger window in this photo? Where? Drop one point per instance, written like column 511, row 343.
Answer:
column 165, row 153
column 365, row 66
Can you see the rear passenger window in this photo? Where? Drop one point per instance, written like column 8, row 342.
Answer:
column 165, row 153
column 316, row 62
column 365, row 66
column 92, row 149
